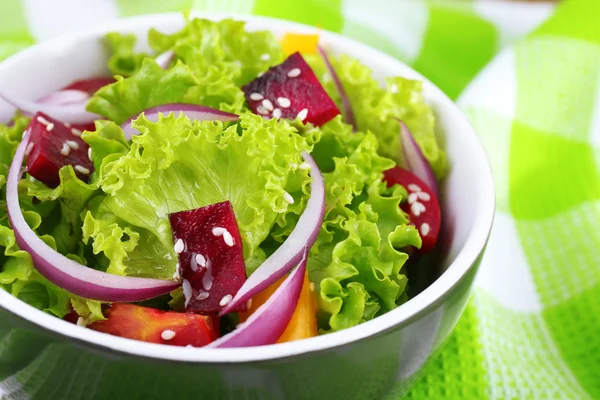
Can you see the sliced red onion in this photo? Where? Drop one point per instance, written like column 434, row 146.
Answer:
column 165, row 59
column 290, row 252
column 192, row 111
column 267, row 324
column 74, row 113
column 67, row 96
column 346, row 106
column 68, row 274
column 415, row 160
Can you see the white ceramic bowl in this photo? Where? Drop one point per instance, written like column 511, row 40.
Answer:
column 337, row 365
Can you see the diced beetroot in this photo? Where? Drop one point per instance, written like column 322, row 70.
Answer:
column 52, row 145
column 422, row 206
column 90, row 85
column 291, row 90
column 156, row 326
column 211, row 260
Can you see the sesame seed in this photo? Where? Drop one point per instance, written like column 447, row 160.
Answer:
column 167, row 334
column 65, row 149
column 249, row 303
column 68, row 125
column 312, row 286
column 284, row 102
column 179, row 246
column 260, row 74
column 288, row 197
column 81, row 169
column 72, row 144
column 425, row 229
column 277, row 113
column 417, row 208
column 203, row 295
column 49, row 127
column 43, row 120
column 228, row 239
column 423, row 196
column 393, row 88
column 200, row 260
column 29, row 148
column 265, row 57
column 294, row 73
column 218, row 231
column 262, row 110
column 256, row 96
column 76, row 132
column 302, row 114
column 90, row 153
column 81, row 321
column 266, row 103
column 207, row 280
column 304, row 166
column 414, row 188
column 177, row 274
column 412, row 198
column 187, row 291
column 225, row 300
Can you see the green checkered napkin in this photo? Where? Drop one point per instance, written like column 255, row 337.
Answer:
column 532, row 328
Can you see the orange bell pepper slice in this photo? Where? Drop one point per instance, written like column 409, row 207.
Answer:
column 304, row 320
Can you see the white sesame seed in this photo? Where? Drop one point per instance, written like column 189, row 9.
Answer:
column 76, row 132
column 277, row 113
column 294, row 73
column 72, row 144
column 203, row 295
column 256, row 96
column 68, row 125
column 167, row 334
column 414, row 188
column 218, row 231
column 65, row 150
column 177, row 274
column 228, row 239
column 207, row 280
column 81, row 169
column 393, row 88
column 284, row 102
column 417, row 208
column 412, row 198
column 312, row 286
column 43, row 120
column 200, row 260
column 265, row 57
column 266, row 103
column 90, row 153
column 225, row 300
column 81, row 321
column 187, row 291
column 302, row 114
column 425, row 229
column 29, row 148
column 179, row 246
column 288, row 197
column 304, row 166
column 423, row 196
column 262, row 110
column 49, row 127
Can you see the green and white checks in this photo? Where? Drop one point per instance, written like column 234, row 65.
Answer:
column 532, row 329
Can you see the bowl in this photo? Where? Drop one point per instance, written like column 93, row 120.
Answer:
column 44, row 357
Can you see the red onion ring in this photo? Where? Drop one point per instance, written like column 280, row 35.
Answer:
column 415, row 160
column 268, row 322
column 65, row 96
column 346, row 106
column 65, row 273
column 164, row 59
column 74, row 113
column 192, row 111
column 290, row 252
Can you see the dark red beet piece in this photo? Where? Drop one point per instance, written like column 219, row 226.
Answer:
column 90, row 85
column 291, row 90
column 211, row 260
column 422, row 206
column 52, row 145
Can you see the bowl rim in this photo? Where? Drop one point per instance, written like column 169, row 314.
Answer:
column 415, row 308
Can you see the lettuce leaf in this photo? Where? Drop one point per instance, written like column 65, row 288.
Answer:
column 124, row 61
column 376, row 108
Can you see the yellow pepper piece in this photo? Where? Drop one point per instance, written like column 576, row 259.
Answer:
column 304, row 321
column 293, row 42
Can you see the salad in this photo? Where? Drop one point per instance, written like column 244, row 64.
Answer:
column 227, row 190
